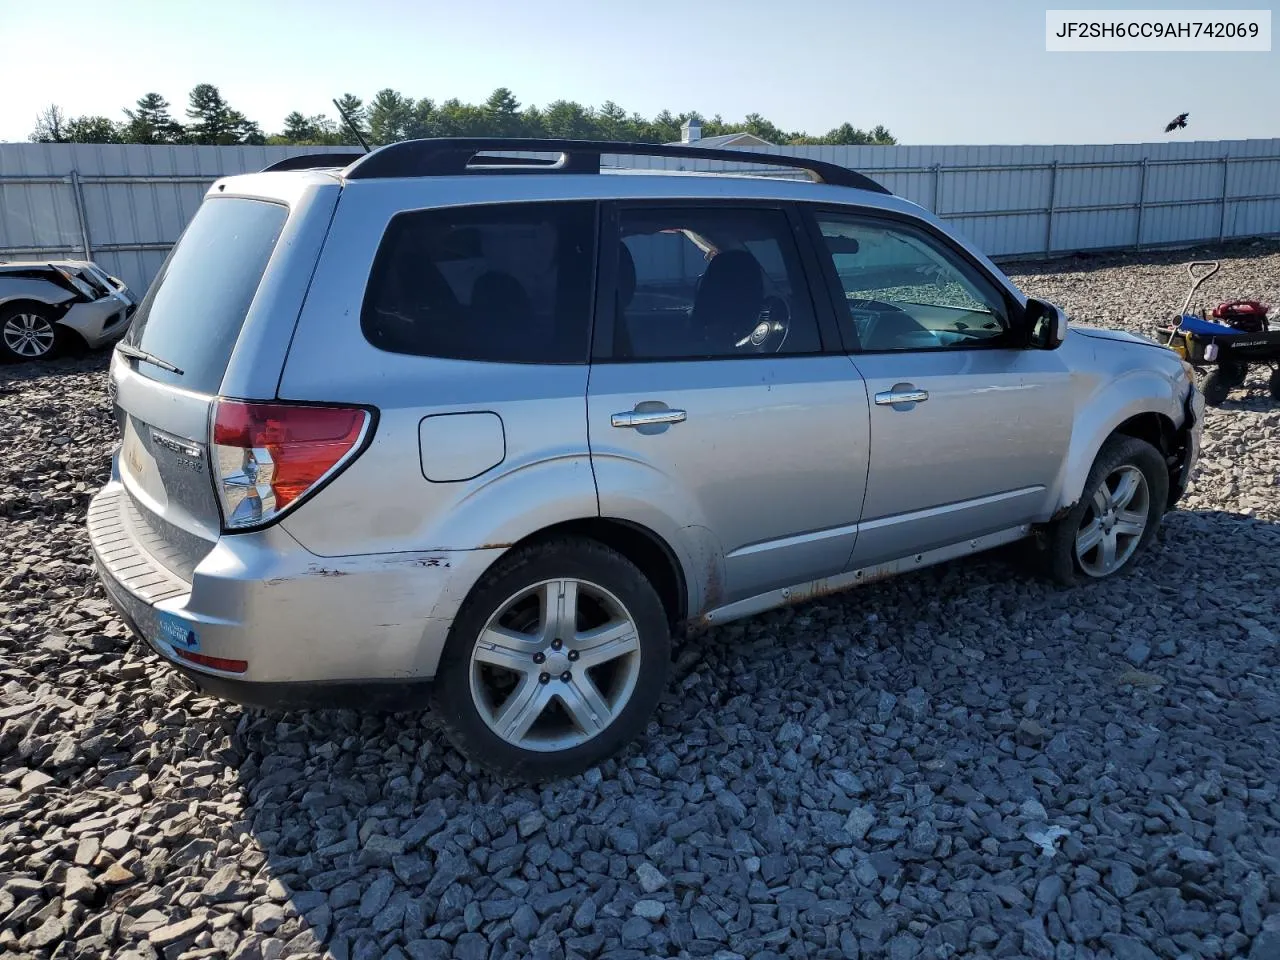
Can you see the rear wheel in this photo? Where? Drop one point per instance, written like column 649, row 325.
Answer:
column 1117, row 516
column 555, row 661
column 27, row 332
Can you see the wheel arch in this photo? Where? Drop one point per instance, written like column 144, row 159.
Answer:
column 1161, row 432
column 55, row 310
column 1143, row 404
column 654, row 557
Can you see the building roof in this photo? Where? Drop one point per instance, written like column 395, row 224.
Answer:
column 725, row 140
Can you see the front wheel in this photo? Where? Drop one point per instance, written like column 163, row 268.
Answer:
column 1117, row 516
column 555, row 661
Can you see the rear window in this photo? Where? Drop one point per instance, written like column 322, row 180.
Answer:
column 509, row 283
column 195, row 307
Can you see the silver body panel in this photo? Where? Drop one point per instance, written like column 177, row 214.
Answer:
column 775, row 518
column 783, row 478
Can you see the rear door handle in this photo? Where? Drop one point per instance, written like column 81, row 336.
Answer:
column 901, row 393
column 647, row 418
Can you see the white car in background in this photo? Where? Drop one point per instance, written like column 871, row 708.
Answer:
column 43, row 302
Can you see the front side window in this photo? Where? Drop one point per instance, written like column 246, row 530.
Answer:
column 905, row 292
column 700, row 283
column 509, row 283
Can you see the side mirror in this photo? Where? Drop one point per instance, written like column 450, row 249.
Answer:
column 1046, row 324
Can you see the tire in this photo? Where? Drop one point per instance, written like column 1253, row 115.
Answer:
column 1215, row 388
column 1233, row 372
column 1119, row 458
column 28, row 332
column 1274, row 384
column 479, row 687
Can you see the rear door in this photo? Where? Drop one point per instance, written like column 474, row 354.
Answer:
column 711, row 399
column 969, row 423
column 209, row 295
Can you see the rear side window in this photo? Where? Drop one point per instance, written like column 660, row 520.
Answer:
column 509, row 283
column 195, row 307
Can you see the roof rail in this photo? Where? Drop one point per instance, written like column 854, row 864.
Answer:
column 315, row 161
column 452, row 156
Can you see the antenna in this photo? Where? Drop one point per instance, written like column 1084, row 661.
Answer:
column 351, row 126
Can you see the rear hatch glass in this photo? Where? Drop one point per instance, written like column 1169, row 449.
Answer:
column 190, row 318
column 195, row 307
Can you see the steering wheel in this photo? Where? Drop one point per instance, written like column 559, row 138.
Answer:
column 888, row 327
column 770, row 333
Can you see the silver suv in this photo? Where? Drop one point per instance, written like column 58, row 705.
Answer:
column 480, row 425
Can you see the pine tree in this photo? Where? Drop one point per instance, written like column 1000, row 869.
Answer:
column 151, row 122
column 503, row 111
column 212, row 119
column 298, row 129
column 390, row 116
column 353, row 107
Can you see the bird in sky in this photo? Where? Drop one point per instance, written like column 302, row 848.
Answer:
column 1177, row 122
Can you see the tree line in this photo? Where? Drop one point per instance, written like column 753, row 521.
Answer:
column 391, row 116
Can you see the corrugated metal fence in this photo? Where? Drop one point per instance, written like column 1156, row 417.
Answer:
column 125, row 205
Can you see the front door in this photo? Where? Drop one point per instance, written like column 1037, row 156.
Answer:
column 969, row 427
column 712, row 401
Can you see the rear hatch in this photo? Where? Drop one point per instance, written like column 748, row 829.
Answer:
column 190, row 322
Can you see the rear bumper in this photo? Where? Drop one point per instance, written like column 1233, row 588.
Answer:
column 311, row 630
column 368, row 695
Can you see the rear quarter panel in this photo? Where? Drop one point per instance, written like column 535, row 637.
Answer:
column 254, row 369
column 383, row 502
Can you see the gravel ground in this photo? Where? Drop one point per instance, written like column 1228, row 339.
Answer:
column 965, row 762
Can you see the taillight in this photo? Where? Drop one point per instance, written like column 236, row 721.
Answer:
column 267, row 456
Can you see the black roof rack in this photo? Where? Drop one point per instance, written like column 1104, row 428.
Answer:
column 315, row 161
column 451, row 156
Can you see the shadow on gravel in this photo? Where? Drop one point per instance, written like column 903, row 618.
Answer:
column 962, row 761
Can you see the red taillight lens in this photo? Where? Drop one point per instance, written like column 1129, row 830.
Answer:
column 267, row 455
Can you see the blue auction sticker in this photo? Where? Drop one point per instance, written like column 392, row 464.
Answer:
column 175, row 631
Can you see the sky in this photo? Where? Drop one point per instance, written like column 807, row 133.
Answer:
column 932, row 71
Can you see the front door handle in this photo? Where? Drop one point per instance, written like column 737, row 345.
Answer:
column 647, row 418
column 901, row 393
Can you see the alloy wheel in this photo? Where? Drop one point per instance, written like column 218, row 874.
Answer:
column 1113, row 525
column 555, row 665
column 29, row 335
